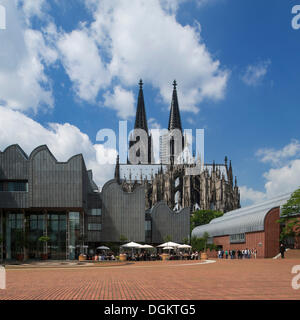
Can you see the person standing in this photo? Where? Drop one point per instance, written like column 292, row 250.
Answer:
column 282, row 250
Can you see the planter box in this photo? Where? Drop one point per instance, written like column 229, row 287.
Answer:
column 82, row 257
column 203, row 256
column 165, row 256
column 123, row 257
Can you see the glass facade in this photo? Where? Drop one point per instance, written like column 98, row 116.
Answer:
column 14, row 186
column 95, row 212
column 14, row 235
column 57, row 227
column 74, row 235
column 21, row 232
column 238, row 238
column 35, row 226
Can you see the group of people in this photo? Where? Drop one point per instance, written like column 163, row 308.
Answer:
column 104, row 257
column 239, row 254
column 145, row 256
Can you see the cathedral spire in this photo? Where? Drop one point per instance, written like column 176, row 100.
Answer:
column 117, row 169
column 230, row 178
column 141, row 119
column 174, row 120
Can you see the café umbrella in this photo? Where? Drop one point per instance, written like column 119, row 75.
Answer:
column 103, row 248
column 184, row 246
column 146, row 246
column 132, row 245
column 169, row 244
column 168, row 248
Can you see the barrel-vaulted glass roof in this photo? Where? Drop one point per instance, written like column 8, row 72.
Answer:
column 249, row 219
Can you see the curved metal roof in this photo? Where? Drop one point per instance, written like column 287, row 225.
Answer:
column 249, row 219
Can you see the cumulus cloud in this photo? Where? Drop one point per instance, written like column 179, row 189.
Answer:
column 249, row 195
column 282, row 180
column 23, row 80
column 83, row 64
column 255, row 73
column 122, row 101
column 277, row 157
column 153, row 124
column 142, row 39
column 64, row 141
column 282, row 177
column 123, row 43
column 32, row 8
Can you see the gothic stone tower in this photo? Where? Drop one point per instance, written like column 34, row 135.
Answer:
column 194, row 185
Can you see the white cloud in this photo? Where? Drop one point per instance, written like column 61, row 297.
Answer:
column 283, row 180
column 276, row 157
column 282, row 177
column 63, row 140
column 153, row 124
column 122, row 101
column 23, row 80
column 83, row 64
column 142, row 39
column 248, row 194
column 256, row 72
column 32, row 8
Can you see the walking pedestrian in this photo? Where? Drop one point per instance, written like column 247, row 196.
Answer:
column 282, row 250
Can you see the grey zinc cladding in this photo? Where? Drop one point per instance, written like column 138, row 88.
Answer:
column 249, row 219
column 123, row 213
column 55, row 184
column 166, row 222
column 14, row 165
column 51, row 184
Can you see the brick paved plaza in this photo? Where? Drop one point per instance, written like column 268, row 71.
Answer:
column 226, row 279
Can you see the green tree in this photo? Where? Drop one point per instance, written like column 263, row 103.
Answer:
column 185, row 240
column 289, row 212
column 201, row 217
column 44, row 240
column 167, row 238
column 123, row 238
column 200, row 244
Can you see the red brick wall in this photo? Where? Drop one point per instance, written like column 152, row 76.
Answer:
column 252, row 241
column 272, row 233
column 297, row 243
column 266, row 242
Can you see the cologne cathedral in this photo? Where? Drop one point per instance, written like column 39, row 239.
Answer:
column 180, row 185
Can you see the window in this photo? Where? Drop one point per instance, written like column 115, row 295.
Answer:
column 238, row 238
column 94, row 227
column 147, row 225
column 14, row 186
column 95, row 212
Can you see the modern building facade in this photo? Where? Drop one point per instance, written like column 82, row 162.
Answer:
column 247, row 228
column 40, row 196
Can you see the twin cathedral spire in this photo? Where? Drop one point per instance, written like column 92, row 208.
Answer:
column 141, row 118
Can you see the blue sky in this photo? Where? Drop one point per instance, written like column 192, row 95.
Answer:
column 70, row 68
